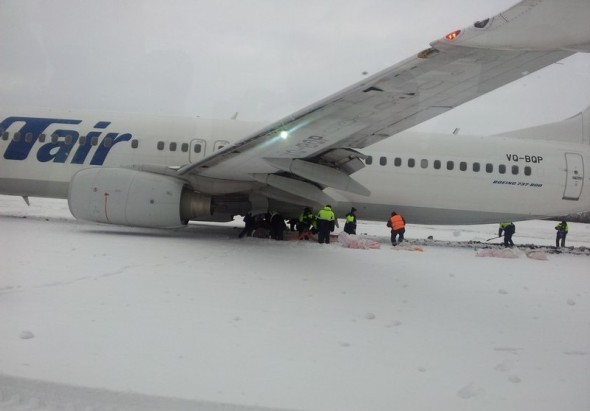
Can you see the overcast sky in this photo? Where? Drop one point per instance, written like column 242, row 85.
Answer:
column 261, row 58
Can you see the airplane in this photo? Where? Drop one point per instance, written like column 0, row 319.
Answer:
column 351, row 149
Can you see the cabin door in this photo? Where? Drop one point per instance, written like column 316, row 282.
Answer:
column 574, row 176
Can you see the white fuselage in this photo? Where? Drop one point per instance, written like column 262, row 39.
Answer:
column 445, row 179
column 470, row 179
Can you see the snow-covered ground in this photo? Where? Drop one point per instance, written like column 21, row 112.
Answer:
column 105, row 317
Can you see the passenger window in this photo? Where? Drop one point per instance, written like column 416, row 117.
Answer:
column 383, row 160
column 184, row 147
column 463, row 166
column 172, row 146
column 411, row 162
column 397, row 162
column 54, row 138
column 368, row 160
column 437, row 164
column 94, row 141
column 502, row 169
column 134, row 143
column 107, row 142
column 198, row 149
column 29, row 137
column 41, row 138
column 160, row 145
column 424, row 163
column 16, row 136
column 82, row 140
column 450, row 165
column 5, row 135
column 515, row 170
column 68, row 139
column 527, row 171
column 489, row 168
column 476, row 167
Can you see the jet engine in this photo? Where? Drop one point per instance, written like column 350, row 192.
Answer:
column 134, row 198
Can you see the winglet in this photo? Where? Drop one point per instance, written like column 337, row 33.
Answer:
column 532, row 25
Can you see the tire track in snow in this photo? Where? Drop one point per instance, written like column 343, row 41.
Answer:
column 20, row 394
column 17, row 289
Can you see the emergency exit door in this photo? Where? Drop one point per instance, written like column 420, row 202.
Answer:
column 574, row 176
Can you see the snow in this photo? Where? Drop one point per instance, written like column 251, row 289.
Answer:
column 119, row 318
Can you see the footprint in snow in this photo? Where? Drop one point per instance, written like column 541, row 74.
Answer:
column 505, row 366
column 470, row 391
column 514, row 379
column 27, row 335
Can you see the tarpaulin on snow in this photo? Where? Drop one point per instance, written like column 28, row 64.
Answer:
column 355, row 241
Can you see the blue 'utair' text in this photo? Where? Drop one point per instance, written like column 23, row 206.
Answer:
column 60, row 149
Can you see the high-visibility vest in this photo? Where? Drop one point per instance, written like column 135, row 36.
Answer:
column 306, row 217
column 326, row 213
column 350, row 218
column 562, row 227
column 397, row 222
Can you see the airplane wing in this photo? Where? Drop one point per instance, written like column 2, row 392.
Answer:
column 316, row 145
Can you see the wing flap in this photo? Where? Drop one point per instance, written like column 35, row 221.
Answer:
column 294, row 187
column 320, row 174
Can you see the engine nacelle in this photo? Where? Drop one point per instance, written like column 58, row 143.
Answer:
column 133, row 198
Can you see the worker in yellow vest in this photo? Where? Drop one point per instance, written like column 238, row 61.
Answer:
column 562, row 230
column 306, row 219
column 325, row 223
column 350, row 222
column 508, row 228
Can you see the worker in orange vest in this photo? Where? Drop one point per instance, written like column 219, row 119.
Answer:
column 398, row 227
